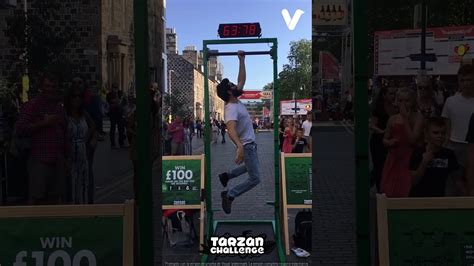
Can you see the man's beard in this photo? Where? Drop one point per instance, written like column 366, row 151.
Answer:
column 237, row 93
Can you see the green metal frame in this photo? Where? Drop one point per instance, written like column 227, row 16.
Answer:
column 145, row 195
column 361, row 131
column 211, row 224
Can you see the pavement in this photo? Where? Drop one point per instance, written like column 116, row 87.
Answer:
column 113, row 172
column 334, row 193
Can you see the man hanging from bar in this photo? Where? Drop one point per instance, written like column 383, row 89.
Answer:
column 240, row 131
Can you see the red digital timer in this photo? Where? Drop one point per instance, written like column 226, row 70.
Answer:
column 240, row 30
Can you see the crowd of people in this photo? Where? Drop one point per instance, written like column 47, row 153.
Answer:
column 295, row 134
column 56, row 133
column 420, row 138
column 178, row 134
column 58, row 138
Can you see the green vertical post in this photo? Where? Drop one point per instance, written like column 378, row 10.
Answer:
column 276, row 112
column 145, row 200
column 207, row 144
column 361, row 131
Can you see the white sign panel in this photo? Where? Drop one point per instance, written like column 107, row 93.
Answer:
column 397, row 53
column 287, row 107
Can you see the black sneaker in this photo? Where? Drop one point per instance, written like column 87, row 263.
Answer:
column 226, row 202
column 224, row 178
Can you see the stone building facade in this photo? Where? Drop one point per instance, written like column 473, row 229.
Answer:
column 187, row 84
column 171, row 41
column 103, row 52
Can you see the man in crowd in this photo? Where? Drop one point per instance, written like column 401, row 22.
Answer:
column 176, row 130
column 116, row 117
column 43, row 120
column 307, row 124
column 458, row 110
column 240, row 130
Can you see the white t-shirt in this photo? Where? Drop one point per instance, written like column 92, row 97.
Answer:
column 458, row 110
column 349, row 98
column 244, row 126
column 307, row 127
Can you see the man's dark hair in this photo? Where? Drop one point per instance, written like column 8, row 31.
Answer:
column 69, row 97
column 222, row 90
column 435, row 122
column 466, row 70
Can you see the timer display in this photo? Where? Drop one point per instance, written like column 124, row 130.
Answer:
column 240, row 30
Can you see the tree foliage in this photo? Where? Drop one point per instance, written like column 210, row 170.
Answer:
column 297, row 74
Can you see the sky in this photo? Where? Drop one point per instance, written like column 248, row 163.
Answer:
column 198, row 20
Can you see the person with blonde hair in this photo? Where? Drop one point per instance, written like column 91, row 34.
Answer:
column 401, row 137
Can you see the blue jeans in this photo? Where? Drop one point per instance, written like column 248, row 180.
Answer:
column 251, row 165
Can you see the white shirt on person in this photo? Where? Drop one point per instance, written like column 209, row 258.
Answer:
column 458, row 109
column 307, row 127
column 238, row 112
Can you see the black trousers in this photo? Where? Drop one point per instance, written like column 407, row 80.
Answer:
column 117, row 122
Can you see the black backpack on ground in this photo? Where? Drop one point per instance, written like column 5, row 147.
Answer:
column 303, row 230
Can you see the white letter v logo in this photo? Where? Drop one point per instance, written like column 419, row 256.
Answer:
column 291, row 21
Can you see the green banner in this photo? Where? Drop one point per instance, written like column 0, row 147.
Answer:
column 431, row 237
column 61, row 241
column 298, row 174
column 181, row 182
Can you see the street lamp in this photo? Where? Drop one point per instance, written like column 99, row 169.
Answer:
column 296, row 101
column 169, row 87
column 296, row 66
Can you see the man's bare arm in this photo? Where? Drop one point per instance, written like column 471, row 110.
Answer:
column 242, row 75
column 231, row 130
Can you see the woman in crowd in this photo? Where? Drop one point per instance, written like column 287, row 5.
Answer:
column 401, row 136
column 382, row 109
column 81, row 130
column 288, row 136
column 215, row 130
column 187, row 138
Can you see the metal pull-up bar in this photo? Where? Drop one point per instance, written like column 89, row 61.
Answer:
column 235, row 53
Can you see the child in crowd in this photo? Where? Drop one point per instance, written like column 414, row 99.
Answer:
column 431, row 164
column 300, row 142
